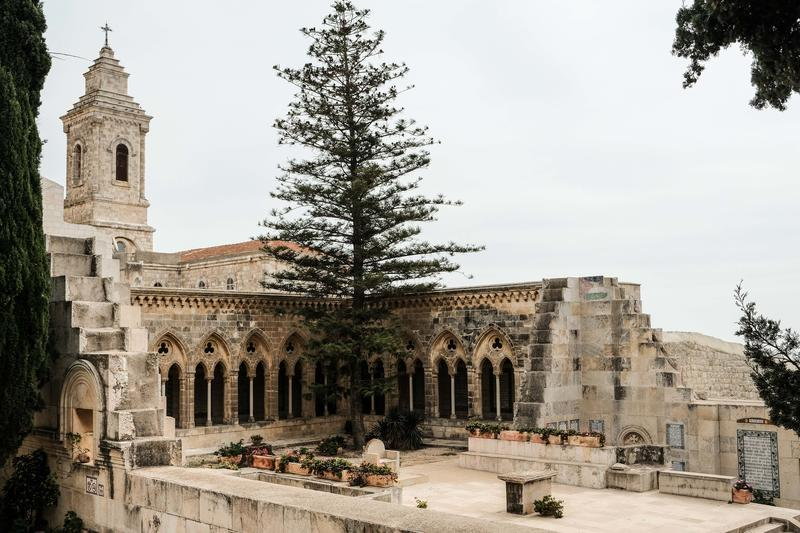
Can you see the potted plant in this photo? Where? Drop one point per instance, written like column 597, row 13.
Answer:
column 593, row 439
column 330, row 469
column 292, row 462
column 372, row 475
column 232, row 453
column 79, row 454
column 573, row 438
column 742, row 492
column 261, row 457
column 510, row 434
column 474, row 428
column 330, row 445
column 536, row 436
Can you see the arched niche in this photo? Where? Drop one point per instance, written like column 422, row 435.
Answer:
column 81, row 408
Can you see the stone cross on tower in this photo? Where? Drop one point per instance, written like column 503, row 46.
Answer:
column 106, row 29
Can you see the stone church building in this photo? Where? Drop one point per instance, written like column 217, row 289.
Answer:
column 165, row 353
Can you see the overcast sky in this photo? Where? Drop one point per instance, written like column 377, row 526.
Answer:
column 564, row 130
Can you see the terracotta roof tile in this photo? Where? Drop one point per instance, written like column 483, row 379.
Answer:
column 197, row 254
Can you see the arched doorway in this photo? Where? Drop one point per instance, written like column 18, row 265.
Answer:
column 506, row 390
column 283, row 391
column 218, row 395
column 297, row 391
column 443, row 388
column 488, row 391
column 200, row 396
column 378, row 375
column 366, row 401
column 462, row 390
column 402, row 386
column 419, row 387
column 243, row 393
column 172, row 391
column 259, row 390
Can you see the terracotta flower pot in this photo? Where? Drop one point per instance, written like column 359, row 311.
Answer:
column 488, row 435
column 297, row 468
column 376, row 480
column 554, row 439
column 475, row 433
column 742, row 496
column 537, row 439
column 266, row 462
column 574, row 440
column 83, row 457
column 331, row 476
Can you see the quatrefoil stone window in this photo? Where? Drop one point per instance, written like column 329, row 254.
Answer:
column 209, row 347
column 163, row 348
column 251, row 347
column 497, row 344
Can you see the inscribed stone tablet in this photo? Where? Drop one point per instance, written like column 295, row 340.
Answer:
column 758, row 460
column 675, row 435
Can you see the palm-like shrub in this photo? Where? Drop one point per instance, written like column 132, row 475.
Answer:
column 399, row 430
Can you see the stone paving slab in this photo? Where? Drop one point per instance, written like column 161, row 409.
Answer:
column 481, row 495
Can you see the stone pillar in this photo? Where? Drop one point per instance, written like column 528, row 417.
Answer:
column 325, row 399
column 411, row 392
column 208, row 400
column 452, row 396
column 251, row 418
column 164, row 393
column 497, row 394
column 290, row 380
column 187, row 402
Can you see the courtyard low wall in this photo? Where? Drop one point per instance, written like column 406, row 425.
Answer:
column 574, row 465
column 696, row 484
column 199, row 499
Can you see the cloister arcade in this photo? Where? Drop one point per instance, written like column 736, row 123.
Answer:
column 219, row 382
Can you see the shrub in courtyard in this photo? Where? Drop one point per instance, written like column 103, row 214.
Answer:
column 28, row 492
column 421, row 504
column 330, row 445
column 549, row 506
column 72, row 523
column 359, row 475
column 335, row 467
column 255, row 440
column 232, row 453
column 399, row 430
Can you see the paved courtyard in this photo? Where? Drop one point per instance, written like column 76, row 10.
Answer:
column 480, row 494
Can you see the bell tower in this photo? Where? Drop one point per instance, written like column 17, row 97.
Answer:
column 106, row 157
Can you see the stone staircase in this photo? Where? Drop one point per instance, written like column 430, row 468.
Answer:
column 91, row 319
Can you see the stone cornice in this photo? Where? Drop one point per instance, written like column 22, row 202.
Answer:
column 220, row 299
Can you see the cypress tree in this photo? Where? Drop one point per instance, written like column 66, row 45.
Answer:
column 24, row 275
column 352, row 205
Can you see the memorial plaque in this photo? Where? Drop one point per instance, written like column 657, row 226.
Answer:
column 679, row 466
column 91, row 485
column 758, row 460
column 675, row 435
column 575, row 425
column 597, row 426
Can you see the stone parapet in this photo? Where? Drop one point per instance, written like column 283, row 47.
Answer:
column 695, row 484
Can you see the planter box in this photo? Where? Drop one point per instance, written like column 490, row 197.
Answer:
column 266, row 462
column 487, row 436
column 554, row 439
column 376, row 480
column 231, row 460
column 297, row 468
column 330, row 476
column 574, row 440
column 741, row 496
column 512, row 435
column 537, row 439
column 590, row 441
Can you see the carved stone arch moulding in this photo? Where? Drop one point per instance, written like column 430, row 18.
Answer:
column 446, row 345
column 82, row 389
column 633, row 434
column 494, row 344
column 171, row 349
column 112, row 146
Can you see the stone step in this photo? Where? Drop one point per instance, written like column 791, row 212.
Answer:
column 102, row 339
column 68, row 245
column 62, row 264
column 83, row 288
column 766, row 528
column 92, row 314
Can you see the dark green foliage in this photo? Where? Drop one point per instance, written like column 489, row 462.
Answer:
column 358, row 474
column 352, row 205
column 231, row 450
column 769, row 29
column 549, row 506
column 320, row 467
column 28, row 492
column 330, row 445
column 399, row 430
column 763, row 497
column 773, row 355
column 24, row 276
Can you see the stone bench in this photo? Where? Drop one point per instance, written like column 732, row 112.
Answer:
column 523, row 488
column 696, row 484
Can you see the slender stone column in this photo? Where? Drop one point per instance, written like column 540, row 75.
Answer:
column 291, row 379
column 187, row 402
column 497, row 394
column 411, row 392
column 251, row 418
column 208, row 401
column 164, row 393
column 325, row 397
column 452, row 396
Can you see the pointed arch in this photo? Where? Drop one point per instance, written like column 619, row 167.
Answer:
column 255, row 348
column 447, row 345
column 214, row 346
column 171, row 349
column 495, row 344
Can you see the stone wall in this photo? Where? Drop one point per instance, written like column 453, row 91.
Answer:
column 711, row 367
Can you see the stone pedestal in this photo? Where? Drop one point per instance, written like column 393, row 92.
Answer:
column 525, row 487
